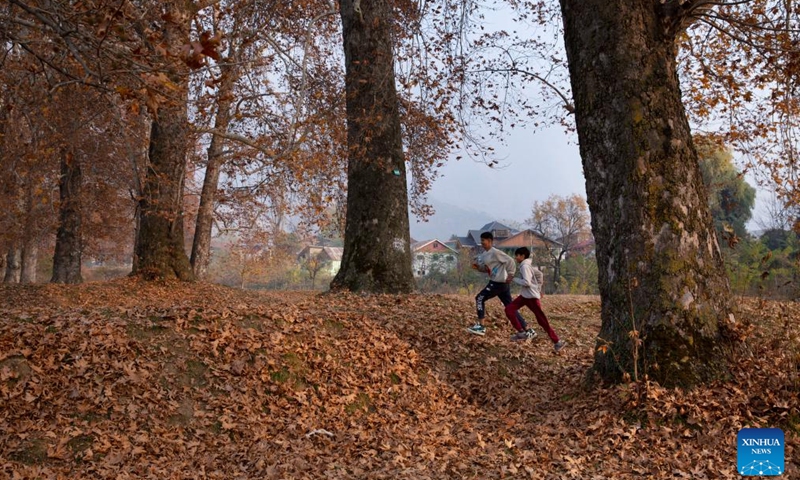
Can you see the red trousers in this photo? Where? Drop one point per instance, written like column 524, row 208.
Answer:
column 536, row 307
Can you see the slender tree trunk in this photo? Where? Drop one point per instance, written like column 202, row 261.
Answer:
column 30, row 262
column 13, row 265
column 556, row 274
column 660, row 268
column 201, row 245
column 29, row 254
column 160, row 250
column 137, row 222
column 67, row 257
column 377, row 255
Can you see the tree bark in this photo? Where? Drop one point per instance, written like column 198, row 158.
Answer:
column 201, row 245
column 377, row 255
column 29, row 262
column 660, row 268
column 160, row 250
column 68, row 251
column 13, row 265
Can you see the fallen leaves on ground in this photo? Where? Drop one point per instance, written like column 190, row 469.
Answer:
column 163, row 380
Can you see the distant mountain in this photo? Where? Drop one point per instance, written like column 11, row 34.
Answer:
column 448, row 220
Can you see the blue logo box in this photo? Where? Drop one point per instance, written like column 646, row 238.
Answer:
column 759, row 452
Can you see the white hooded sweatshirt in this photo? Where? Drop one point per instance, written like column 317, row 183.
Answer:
column 531, row 279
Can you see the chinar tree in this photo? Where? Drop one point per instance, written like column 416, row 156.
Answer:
column 377, row 254
column 666, row 307
column 159, row 245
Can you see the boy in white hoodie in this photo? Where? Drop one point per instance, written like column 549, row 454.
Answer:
column 531, row 280
column 500, row 268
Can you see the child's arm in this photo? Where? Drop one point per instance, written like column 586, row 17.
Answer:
column 525, row 279
column 509, row 263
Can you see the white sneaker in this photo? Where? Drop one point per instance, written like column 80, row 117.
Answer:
column 477, row 329
column 523, row 335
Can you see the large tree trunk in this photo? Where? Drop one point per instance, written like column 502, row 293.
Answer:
column 67, row 256
column 160, row 251
column 660, row 268
column 13, row 265
column 377, row 255
column 201, row 245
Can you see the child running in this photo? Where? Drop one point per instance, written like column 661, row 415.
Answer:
column 500, row 268
column 531, row 280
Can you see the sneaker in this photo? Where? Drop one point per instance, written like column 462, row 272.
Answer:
column 523, row 336
column 559, row 345
column 519, row 337
column 477, row 329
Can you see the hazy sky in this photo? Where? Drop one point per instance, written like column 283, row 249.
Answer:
column 535, row 166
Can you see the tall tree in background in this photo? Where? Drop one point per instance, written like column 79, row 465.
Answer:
column 279, row 117
column 730, row 197
column 377, row 255
column 28, row 170
column 229, row 70
column 69, row 249
column 660, row 268
column 159, row 248
column 563, row 219
column 142, row 52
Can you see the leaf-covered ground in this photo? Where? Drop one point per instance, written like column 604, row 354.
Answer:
column 133, row 380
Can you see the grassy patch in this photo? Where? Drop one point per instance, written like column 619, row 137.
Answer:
column 80, row 444
column 90, row 417
column 334, row 327
column 195, row 374
column 568, row 396
column 280, row 376
column 18, row 367
column 33, row 453
column 184, row 415
column 793, row 423
column 502, row 371
column 144, row 332
column 293, row 371
column 361, row 403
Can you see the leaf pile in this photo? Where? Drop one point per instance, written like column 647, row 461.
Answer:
column 137, row 380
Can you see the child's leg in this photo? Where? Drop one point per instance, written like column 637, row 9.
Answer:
column 512, row 313
column 489, row 291
column 536, row 305
column 505, row 297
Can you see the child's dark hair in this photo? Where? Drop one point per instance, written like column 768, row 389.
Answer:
column 523, row 251
column 487, row 235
